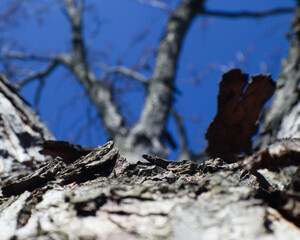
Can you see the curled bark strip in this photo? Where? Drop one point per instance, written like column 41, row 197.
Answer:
column 282, row 153
column 239, row 104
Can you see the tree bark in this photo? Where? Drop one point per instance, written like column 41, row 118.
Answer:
column 21, row 131
column 281, row 119
column 101, row 196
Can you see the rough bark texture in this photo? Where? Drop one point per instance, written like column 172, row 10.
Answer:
column 101, row 196
column 97, row 194
column 67, row 151
column 281, row 119
column 21, row 131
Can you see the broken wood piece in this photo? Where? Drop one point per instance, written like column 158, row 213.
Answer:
column 239, row 104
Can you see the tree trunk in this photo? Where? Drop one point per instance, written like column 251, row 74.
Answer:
column 281, row 119
column 21, row 131
column 101, row 196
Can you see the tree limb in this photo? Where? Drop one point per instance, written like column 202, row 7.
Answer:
column 25, row 57
column 122, row 70
column 155, row 3
column 112, row 119
column 248, row 14
column 41, row 75
column 38, row 94
column 159, row 97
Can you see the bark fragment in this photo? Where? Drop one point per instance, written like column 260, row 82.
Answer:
column 282, row 153
column 20, row 132
column 37, row 179
column 281, row 119
column 99, row 162
column 239, row 104
column 67, row 151
column 160, row 199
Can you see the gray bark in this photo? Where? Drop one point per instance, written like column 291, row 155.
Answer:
column 21, row 131
column 101, row 196
column 281, row 119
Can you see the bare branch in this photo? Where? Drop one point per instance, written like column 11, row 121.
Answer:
column 38, row 94
column 122, row 70
column 133, row 43
column 54, row 62
column 110, row 114
column 41, row 75
column 185, row 152
column 99, row 95
column 74, row 14
column 142, row 63
column 155, row 3
column 248, row 14
column 25, row 57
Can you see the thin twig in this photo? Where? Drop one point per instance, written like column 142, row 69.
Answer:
column 40, row 75
column 121, row 70
column 186, row 152
column 155, row 3
column 38, row 94
column 26, row 57
column 248, row 14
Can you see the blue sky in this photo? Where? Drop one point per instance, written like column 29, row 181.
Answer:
column 212, row 46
